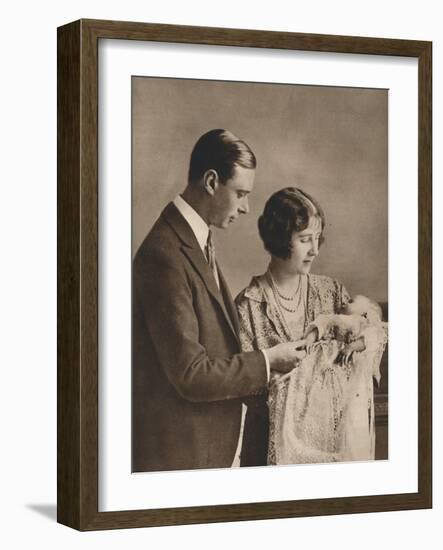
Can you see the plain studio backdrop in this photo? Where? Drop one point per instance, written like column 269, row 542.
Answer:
column 329, row 141
column 28, row 276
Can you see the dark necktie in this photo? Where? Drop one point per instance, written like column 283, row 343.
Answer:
column 210, row 256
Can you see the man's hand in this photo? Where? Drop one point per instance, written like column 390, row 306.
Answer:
column 284, row 357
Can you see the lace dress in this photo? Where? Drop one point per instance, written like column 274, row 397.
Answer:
column 321, row 411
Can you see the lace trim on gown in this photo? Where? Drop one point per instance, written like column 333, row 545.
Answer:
column 321, row 412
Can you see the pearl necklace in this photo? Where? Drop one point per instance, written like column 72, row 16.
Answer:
column 279, row 292
column 278, row 295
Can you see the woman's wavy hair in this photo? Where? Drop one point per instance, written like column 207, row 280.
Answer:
column 287, row 211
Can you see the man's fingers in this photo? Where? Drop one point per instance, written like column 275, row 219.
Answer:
column 300, row 343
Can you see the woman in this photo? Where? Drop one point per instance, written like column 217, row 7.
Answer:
column 278, row 306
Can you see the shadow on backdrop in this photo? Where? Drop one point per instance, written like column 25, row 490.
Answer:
column 47, row 510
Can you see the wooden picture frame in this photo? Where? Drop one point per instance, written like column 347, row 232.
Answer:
column 77, row 455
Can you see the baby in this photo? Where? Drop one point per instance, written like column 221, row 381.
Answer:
column 352, row 327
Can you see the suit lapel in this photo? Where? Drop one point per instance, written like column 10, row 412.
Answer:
column 227, row 298
column 192, row 250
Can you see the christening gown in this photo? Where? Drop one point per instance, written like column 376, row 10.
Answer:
column 321, row 411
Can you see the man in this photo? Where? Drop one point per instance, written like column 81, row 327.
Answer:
column 188, row 373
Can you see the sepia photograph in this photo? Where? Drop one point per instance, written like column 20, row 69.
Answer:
column 259, row 275
column 245, row 275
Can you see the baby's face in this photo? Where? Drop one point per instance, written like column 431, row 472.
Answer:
column 358, row 306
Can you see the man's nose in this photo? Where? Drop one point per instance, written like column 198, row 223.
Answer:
column 244, row 208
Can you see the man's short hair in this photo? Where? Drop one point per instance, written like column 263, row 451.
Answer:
column 222, row 151
column 287, row 211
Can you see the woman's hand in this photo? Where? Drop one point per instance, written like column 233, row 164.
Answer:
column 345, row 355
column 311, row 340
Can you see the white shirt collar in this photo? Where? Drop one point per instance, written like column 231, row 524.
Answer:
column 195, row 221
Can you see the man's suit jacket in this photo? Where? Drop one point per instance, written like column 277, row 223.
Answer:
column 188, row 374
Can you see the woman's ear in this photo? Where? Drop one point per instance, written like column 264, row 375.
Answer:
column 210, row 181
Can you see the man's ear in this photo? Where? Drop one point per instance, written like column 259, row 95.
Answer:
column 211, row 181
